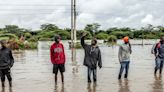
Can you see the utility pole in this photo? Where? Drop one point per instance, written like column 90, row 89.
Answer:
column 75, row 13
column 73, row 30
column 72, row 23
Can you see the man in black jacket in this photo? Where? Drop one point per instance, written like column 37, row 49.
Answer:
column 6, row 62
column 92, row 57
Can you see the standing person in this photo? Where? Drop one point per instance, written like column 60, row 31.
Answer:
column 159, row 54
column 124, row 57
column 92, row 57
column 6, row 62
column 57, row 55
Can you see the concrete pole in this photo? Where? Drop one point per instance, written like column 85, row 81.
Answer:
column 73, row 30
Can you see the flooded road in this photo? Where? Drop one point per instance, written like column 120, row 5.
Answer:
column 32, row 72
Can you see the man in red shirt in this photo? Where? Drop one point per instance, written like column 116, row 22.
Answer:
column 57, row 55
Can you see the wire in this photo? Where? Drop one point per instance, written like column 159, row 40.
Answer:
column 35, row 4
column 32, row 9
column 9, row 14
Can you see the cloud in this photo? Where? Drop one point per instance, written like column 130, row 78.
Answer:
column 108, row 13
column 148, row 19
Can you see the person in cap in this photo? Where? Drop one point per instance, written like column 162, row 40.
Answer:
column 159, row 56
column 92, row 57
column 57, row 56
column 124, row 57
column 6, row 63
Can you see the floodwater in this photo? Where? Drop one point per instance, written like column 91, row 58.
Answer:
column 32, row 72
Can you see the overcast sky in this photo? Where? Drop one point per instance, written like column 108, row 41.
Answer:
column 108, row 13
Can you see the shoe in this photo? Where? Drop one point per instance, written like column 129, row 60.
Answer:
column 89, row 81
column 155, row 71
column 3, row 84
column 119, row 77
column 62, row 83
column 95, row 80
column 160, row 72
column 10, row 83
column 125, row 76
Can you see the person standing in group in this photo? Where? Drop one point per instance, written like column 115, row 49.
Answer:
column 159, row 56
column 92, row 57
column 6, row 62
column 124, row 57
column 57, row 56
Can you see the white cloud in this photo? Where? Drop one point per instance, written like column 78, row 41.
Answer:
column 85, row 18
column 148, row 19
column 109, row 13
column 117, row 20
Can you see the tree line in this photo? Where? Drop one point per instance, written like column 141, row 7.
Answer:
column 47, row 31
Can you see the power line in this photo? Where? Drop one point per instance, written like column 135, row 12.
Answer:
column 9, row 14
column 35, row 4
column 11, row 9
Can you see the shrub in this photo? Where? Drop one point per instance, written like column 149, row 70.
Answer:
column 102, row 36
column 78, row 46
column 112, row 38
column 33, row 39
column 65, row 35
column 120, row 34
column 32, row 45
column 11, row 36
column 27, row 35
column 16, row 45
column 151, row 36
column 45, row 39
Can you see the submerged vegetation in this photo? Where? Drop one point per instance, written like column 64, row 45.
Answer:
column 21, row 38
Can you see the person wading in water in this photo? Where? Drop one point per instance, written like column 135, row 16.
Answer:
column 92, row 57
column 6, row 63
column 124, row 57
column 57, row 56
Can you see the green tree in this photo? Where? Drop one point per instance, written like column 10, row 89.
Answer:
column 14, row 29
column 89, row 28
column 126, row 29
column 102, row 36
column 65, row 35
column 92, row 28
column 96, row 26
column 80, row 32
column 48, row 27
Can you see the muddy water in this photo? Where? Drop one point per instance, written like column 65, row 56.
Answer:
column 32, row 72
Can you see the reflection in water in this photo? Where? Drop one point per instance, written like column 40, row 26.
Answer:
column 74, row 61
column 3, row 90
column 10, row 90
column 75, row 69
column 59, row 90
column 91, row 89
column 124, row 86
column 18, row 56
column 73, row 53
column 158, row 84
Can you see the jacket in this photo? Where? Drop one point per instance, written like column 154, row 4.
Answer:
column 57, row 53
column 124, row 52
column 6, row 58
column 92, row 55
